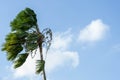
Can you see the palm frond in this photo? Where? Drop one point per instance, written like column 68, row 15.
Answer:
column 47, row 38
column 25, row 20
column 13, row 51
column 11, row 56
column 39, row 66
column 20, row 60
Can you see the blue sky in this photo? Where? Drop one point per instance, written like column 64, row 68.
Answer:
column 86, row 42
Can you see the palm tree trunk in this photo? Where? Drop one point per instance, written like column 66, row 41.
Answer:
column 41, row 57
column 44, row 74
column 41, row 54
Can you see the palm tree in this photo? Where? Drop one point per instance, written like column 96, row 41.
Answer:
column 25, row 38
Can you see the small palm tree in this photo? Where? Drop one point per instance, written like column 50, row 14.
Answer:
column 24, row 38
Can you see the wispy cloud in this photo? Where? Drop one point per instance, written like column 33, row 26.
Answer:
column 58, row 56
column 93, row 32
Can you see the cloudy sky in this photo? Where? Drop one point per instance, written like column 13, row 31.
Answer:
column 86, row 42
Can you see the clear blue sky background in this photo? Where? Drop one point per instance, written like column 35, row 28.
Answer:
column 98, row 62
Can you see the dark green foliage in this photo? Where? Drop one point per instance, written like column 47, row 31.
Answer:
column 20, row 60
column 39, row 66
column 12, row 46
column 31, row 42
column 22, row 36
column 16, row 37
column 25, row 20
column 13, row 51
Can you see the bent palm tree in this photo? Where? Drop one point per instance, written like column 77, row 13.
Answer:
column 24, row 38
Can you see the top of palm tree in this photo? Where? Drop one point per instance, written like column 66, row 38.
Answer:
column 25, row 37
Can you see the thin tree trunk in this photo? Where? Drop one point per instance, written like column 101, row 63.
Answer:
column 41, row 54
column 41, row 57
column 44, row 74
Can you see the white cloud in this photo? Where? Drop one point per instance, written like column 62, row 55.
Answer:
column 62, row 40
column 60, row 59
column 58, row 56
column 93, row 32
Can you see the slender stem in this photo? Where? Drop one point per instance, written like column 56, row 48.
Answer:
column 41, row 54
column 40, row 48
column 44, row 74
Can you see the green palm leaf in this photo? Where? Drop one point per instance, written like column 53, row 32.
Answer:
column 20, row 60
column 39, row 66
column 25, row 20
